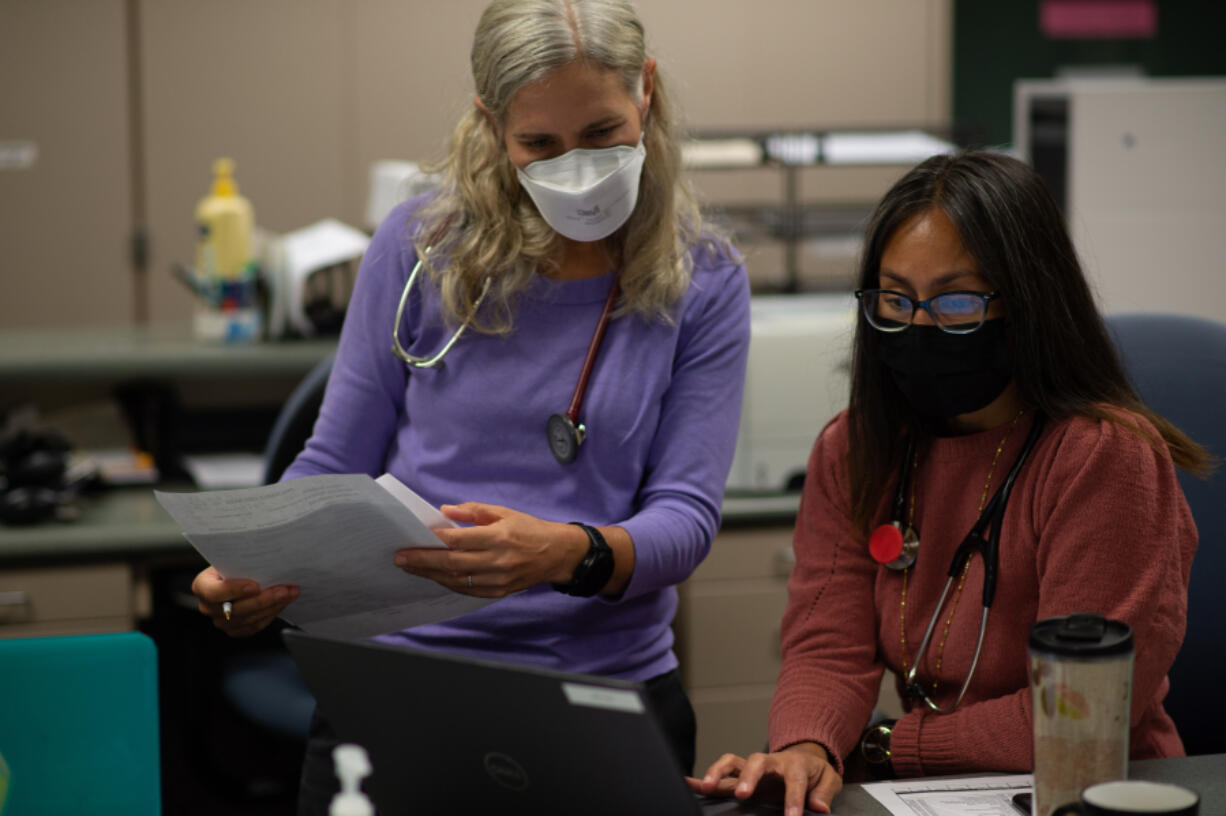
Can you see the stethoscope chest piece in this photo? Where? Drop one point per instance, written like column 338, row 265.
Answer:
column 894, row 546
column 565, row 437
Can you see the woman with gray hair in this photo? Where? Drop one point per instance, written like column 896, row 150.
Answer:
column 593, row 340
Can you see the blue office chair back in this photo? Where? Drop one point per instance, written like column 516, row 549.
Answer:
column 296, row 420
column 79, row 725
column 1178, row 365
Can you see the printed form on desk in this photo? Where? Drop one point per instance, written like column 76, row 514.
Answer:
column 334, row 537
column 952, row 796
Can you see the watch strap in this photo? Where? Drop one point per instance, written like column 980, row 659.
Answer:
column 596, row 568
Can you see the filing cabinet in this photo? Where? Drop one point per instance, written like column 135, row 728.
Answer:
column 729, row 634
column 71, row 600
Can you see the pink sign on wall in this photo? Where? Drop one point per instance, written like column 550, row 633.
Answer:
column 1098, row 19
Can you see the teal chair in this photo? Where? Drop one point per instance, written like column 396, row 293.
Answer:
column 79, row 725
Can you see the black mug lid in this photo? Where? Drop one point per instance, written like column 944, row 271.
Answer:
column 1082, row 634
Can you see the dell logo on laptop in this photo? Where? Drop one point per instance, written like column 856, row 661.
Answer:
column 505, row 771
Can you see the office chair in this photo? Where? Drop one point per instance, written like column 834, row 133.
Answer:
column 296, row 420
column 1177, row 364
column 264, row 685
column 79, row 724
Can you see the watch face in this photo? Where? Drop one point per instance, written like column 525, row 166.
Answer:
column 563, row 439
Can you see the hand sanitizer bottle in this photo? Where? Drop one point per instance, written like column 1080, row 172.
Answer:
column 352, row 766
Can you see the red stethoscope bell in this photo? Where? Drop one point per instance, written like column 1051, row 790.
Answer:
column 885, row 544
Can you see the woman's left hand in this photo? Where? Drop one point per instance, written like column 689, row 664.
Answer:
column 505, row 551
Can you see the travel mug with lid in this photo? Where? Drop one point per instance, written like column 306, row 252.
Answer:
column 1081, row 687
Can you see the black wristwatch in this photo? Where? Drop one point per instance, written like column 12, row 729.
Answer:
column 594, row 571
column 875, row 748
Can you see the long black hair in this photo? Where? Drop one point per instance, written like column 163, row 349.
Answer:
column 1064, row 362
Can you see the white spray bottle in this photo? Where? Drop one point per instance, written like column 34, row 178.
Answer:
column 352, row 766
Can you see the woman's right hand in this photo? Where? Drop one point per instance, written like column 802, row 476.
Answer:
column 252, row 608
column 803, row 772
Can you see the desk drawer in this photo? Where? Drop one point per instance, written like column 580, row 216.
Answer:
column 754, row 552
column 66, row 600
column 731, row 631
column 730, row 720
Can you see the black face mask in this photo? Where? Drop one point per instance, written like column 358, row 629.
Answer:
column 944, row 375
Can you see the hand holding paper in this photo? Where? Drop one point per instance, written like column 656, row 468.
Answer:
column 332, row 536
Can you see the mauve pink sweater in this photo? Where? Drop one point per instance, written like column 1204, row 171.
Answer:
column 1096, row 523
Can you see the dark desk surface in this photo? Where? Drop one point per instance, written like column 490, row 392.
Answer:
column 1205, row 774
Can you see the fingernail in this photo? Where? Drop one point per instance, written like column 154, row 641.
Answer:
column 401, row 561
column 742, row 789
column 251, row 589
column 280, row 593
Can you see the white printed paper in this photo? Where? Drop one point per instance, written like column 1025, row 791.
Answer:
column 334, row 537
column 961, row 796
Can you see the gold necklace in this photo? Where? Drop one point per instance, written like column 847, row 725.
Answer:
column 902, row 606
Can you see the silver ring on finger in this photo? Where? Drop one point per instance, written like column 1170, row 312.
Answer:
column 470, row 580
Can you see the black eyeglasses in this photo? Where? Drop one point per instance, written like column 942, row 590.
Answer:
column 952, row 312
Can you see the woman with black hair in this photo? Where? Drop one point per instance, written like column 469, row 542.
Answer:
column 980, row 360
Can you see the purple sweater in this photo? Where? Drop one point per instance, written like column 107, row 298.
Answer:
column 662, row 410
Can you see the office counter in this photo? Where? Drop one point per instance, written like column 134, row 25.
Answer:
column 168, row 351
column 125, row 529
column 117, row 523
column 88, row 575
column 93, row 574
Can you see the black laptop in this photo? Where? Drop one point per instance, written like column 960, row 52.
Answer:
column 455, row 735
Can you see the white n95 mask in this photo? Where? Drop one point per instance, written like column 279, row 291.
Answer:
column 585, row 194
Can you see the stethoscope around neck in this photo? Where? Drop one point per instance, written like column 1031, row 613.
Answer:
column 990, row 520
column 564, row 431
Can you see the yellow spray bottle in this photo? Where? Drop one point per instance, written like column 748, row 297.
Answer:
column 223, row 229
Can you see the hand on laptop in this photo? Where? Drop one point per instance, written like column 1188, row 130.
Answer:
column 799, row 776
column 251, row 608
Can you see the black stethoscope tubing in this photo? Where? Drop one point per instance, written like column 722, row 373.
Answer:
column 989, row 548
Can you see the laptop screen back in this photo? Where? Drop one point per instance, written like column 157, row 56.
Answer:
column 447, row 734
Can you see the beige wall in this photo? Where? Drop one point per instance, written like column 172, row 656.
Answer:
column 304, row 94
column 65, row 220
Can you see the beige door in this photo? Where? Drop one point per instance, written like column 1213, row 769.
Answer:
column 65, row 175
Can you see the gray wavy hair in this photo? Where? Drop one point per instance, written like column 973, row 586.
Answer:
column 483, row 224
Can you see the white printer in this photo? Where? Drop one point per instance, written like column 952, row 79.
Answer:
column 798, row 378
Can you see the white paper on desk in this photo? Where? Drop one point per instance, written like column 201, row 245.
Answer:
column 333, row 536
column 953, row 796
column 216, row 471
